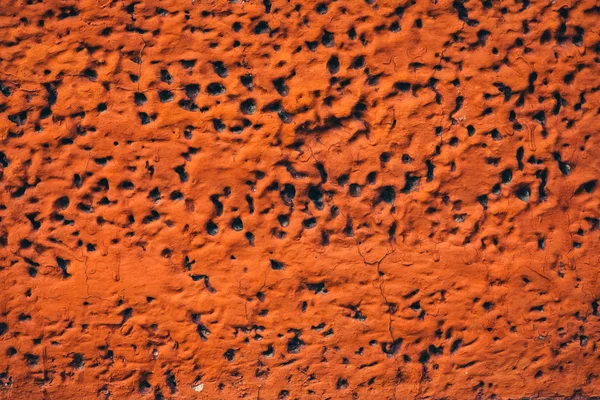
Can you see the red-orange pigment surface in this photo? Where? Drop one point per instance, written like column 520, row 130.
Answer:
column 298, row 200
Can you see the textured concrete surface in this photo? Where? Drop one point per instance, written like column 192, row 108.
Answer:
column 298, row 200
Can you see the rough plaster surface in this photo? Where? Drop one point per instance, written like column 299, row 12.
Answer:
column 289, row 200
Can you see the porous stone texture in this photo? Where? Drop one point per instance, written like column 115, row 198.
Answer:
column 284, row 199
